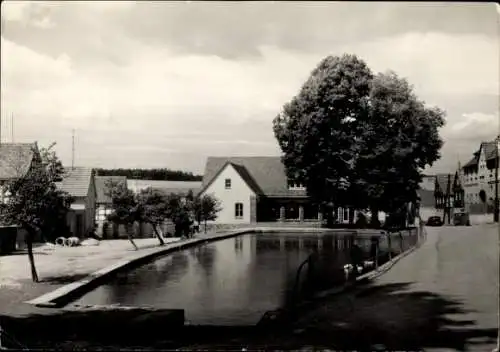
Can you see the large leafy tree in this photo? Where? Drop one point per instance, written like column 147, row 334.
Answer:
column 399, row 140
column 318, row 129
column 358, row 140
column 36, row 204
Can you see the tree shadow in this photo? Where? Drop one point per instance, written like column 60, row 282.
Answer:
column 84, row 327
column 392, row 315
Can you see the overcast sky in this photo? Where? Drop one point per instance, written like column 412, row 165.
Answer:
column 164, row 84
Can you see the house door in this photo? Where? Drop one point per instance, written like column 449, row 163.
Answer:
column 79, row 225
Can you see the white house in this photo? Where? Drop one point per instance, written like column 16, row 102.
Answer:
column 256, row 189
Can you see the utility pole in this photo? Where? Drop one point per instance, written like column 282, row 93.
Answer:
column 12, row 127
column 447, row 202
column 73, row 149
column 496, row 215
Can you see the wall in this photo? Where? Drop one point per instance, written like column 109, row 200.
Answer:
column 426, row 212
column 239, row 193
column 484, row 179
column 428, row 183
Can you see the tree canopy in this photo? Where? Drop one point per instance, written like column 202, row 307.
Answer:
column 36, row 204
column 151, row 174
column 356, row 139
column 205, row 208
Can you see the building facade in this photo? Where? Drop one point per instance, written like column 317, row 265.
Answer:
column 478, row 178
column 79, row 183
column 256, row 189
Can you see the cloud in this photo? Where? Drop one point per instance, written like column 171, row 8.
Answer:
column 33, row 14
column 87, row 71
column 475, row 126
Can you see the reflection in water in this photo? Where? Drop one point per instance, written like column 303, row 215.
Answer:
column 231, row 281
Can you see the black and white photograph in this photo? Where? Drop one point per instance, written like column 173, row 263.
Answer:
column 250, row 176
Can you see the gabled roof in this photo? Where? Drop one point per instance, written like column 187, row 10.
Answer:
column 442, row 183
column 101, row 187
column 264, row 174
column 245, row 175
column 489, row 150
column 16, row 159
column 471, row 162
column 76, row 181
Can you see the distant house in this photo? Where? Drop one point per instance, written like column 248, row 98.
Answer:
column 478, row 177
column 16, row 160
column 79, row 183
column 449, row 194
column 256, row 189
column 103, row 202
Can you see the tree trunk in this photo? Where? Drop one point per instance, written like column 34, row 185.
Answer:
column 351, row 216
column 329, row 216
column 374, row 222
column 131, row 239
column 205, row 225
column 158, row 235
column 29, row 243
column 497, row 349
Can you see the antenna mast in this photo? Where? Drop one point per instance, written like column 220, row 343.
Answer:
column 12, row 127
column 73, row 148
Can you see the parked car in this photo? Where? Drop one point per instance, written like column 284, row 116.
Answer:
column 461, row 219
column 434, row 221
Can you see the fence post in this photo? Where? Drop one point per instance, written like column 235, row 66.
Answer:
column 401, row 241
column 389, row 245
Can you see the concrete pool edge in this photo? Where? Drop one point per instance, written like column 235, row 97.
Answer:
column 70, row 292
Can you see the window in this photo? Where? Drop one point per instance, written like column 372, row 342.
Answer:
column 238, row 210
column 346, row 214
column 227, row 183
column 6, row 196
column 295, row 186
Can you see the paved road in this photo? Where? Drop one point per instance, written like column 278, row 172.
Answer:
column 443, row 296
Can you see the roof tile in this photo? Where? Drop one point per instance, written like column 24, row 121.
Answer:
column 15, row 159
column 267, row 172
column 76, row 181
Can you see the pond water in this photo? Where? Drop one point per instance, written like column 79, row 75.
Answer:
column 229, row 282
